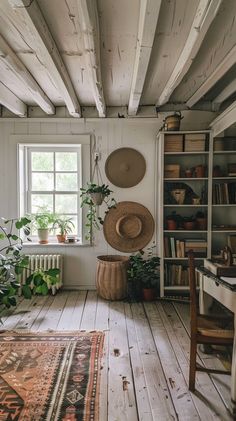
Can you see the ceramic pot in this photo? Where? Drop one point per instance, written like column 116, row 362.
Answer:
column 171, row 224
column 200, row 171
column 201, row 224
column 149, row 294
column 189, row 225
column 61, row 238
column 43, row 235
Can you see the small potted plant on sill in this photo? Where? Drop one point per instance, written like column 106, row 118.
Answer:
column 93, row 196
column 64, row 225
column 143, row 275
column 43, row 223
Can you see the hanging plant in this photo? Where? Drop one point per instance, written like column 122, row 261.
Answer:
column 93, row 196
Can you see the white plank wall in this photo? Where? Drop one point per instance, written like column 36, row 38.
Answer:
column 144, row 367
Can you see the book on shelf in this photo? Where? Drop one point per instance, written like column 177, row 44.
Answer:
column 224, row 193
column 172, row 247
column 176, row 275
column 177, row 248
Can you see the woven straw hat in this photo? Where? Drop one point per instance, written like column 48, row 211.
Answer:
column 125, row 167
column 128, row 227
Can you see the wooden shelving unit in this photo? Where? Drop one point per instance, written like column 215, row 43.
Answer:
column 221, row 220
column 198, row 185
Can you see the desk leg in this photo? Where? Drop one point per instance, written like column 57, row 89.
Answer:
column 205, row 301
column 233, row 373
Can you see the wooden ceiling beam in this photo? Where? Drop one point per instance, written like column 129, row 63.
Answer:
column 148, row 18
column 228, row 61
column 11, row 102
column 12, row 64
column 224, row 120
column 204, row 16
column 89, row 23
column 229, row 90
column 37, row 34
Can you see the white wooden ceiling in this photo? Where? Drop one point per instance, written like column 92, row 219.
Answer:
column 169, row 54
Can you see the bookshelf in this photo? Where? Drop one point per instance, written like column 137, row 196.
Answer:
column 184, row 191
column 223, row 193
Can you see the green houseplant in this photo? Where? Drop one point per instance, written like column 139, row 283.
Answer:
column 143, row 275
column 92, row 196
column 13, row 262
column 64, row 225
column 43, row 222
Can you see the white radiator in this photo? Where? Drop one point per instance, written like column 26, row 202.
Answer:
column 45, row 262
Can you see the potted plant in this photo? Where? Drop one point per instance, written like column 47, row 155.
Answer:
column 95, row 193
column 64, row 225
column 13, row 263
column 173, row 221
column 189, row 222
column 143, row 274
column 43, row 223
column 90, row 199
column 201, row 221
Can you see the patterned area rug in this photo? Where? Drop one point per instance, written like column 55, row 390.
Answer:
column 50, row 376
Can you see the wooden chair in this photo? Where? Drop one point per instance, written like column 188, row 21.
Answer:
column 207, row 330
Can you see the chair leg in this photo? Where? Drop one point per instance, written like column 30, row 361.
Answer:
column 192, row 368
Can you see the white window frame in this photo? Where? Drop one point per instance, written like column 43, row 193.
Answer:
column 24, row 141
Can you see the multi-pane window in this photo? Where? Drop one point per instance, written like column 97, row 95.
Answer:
column 53, row 179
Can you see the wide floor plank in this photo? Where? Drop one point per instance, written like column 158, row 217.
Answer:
column 145, row 362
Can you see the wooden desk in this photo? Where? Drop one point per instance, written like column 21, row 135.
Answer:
column 212, row 287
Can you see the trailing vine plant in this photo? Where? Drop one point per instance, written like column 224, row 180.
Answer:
column 88, row 195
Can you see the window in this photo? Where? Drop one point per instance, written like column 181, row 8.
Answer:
column 52, row 181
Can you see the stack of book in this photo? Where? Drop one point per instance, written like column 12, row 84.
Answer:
column 197, row 245
column 176, row 248
column 176, row 275
column 173, row 143
column 195, row 142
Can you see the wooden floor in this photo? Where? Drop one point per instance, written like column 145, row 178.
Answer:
column 145, row 365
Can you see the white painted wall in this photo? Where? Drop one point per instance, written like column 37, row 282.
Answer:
column 80, row 262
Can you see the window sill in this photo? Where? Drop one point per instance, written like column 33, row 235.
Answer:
column 37, row 245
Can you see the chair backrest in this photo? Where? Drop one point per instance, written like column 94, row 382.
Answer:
column 193, row 293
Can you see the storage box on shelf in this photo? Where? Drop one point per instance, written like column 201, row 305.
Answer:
column 182, row 207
